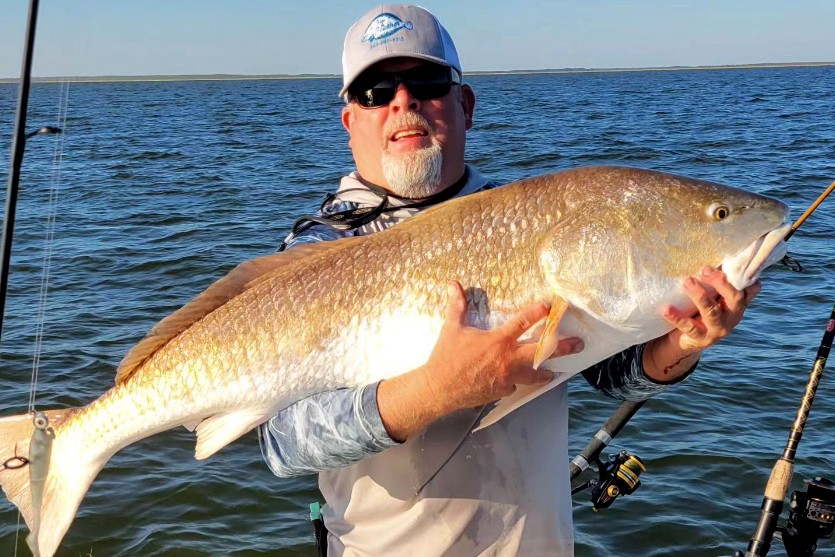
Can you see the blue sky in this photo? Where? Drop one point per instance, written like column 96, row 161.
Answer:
column 121, row 37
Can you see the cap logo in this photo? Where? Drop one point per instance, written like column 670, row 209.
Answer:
column 383, row 27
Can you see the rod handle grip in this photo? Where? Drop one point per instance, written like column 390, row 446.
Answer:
column 780, row 480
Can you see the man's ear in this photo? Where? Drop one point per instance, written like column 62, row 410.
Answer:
column 347, row 120
column 468, row 104
column 347, row 117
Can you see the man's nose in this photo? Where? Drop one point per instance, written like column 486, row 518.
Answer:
column 403, row 99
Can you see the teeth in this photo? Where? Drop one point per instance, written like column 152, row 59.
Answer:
column 400, row 135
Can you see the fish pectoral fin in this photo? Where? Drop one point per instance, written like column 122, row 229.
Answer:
column 550, row 338
column 215, row 432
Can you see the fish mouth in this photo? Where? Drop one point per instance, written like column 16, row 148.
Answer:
column 744, row 268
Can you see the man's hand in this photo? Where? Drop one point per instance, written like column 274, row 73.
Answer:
column 468, row 368
column 720, row 308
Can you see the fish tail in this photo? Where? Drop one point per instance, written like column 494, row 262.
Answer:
column 47, row 494
column 15, row 432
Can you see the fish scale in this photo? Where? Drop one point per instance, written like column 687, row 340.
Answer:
column 613, row 244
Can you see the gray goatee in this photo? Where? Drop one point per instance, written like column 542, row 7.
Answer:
column 417, row 173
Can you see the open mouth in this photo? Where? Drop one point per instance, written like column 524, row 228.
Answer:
column 408, row 133
column 768, row 249
column 744, row 268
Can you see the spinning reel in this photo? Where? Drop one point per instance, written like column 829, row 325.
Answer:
column 811, row 518
column 619, row 476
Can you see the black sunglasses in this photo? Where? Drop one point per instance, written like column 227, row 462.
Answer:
column 426, row 82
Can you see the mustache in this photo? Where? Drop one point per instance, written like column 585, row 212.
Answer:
column 404, row 120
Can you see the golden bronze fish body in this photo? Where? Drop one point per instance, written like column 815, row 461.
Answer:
column 613, row 243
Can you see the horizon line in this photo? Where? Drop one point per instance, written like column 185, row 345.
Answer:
column 244, row 77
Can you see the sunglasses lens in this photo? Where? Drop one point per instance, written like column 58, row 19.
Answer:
column 428, row 91
column 372, row 91
column 424, row 83
column 429, row 82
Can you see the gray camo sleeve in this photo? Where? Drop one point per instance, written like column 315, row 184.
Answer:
column 327, row 430
column 622, row 376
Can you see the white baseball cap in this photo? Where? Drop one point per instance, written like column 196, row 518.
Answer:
column 392, row 31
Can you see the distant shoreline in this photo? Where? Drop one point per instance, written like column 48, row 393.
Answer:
column 238, row 77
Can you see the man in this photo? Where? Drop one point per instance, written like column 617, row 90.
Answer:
column 401, row 471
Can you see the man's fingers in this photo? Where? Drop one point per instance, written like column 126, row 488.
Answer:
column 687, row 325
column 456, row 307
column 568, row 346
column 741, row 299
column 526, row 353
column 751, row 292
column 524, row 320
column 706, row 304
column 734, row 299
column 536, row 377
column 523, row 373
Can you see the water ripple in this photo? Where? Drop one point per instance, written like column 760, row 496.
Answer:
column 212, row 173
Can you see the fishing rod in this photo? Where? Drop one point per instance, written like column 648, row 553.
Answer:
column 809, row 211
column 18, row 149
column 813, row 513
column 41, row 443
column 620, row 475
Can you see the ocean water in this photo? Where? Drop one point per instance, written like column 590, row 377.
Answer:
column 163, row 187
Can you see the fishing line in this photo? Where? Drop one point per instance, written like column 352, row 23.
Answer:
column 18, row 148
column 49, row 240
column 40, row 445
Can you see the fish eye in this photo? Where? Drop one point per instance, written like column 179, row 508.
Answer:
column 719, row 212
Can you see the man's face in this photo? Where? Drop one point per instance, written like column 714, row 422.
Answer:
column 411, row 147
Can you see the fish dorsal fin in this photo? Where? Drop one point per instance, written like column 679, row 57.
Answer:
column 241, row 278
